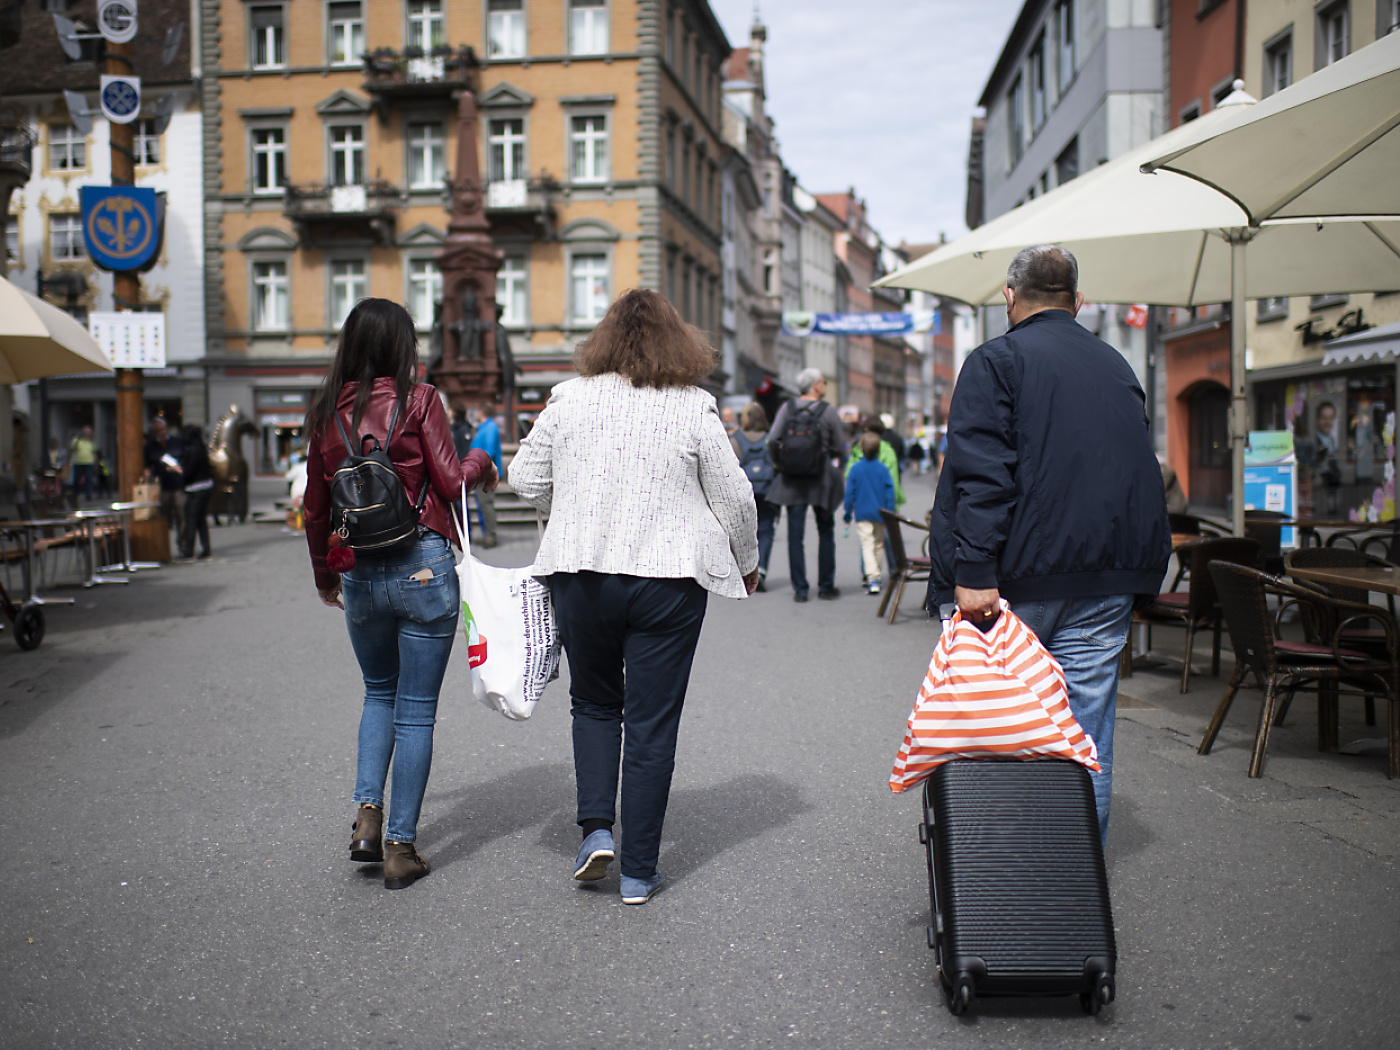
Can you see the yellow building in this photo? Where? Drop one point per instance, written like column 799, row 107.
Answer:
column 328, row 146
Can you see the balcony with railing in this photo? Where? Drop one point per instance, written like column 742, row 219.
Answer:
column 16, row 153
column 529, row 201
column 416, row 73
column 324, row 213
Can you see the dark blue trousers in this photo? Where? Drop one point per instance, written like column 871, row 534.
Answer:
column 630, row 642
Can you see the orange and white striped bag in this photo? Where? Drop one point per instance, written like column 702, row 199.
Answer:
column 994, row 695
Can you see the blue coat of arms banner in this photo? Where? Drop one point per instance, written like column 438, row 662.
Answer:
column 121, row 225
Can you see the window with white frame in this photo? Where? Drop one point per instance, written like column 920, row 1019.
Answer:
column 146, row 143
column 426, row 145
column 66, row 237
column 1037, row 76
column 1065, row 61
column 770, row 271
column 671, row 155
column 425, row 25
column 513, row 292
column 267, row 43
column 1390, row 17
column 424, row 290
column 1274, row 308
column 1278, row 64
column 685, row 171
column 1333, row 33
column 271, row 296
column 588, row 27
column 67, row 148
column 589, row 148
column 588, row 276
column 505, row 29
column 506, row 146
column 12, row 238
column 269, row 160
column 670, row 36
column 347, row 154
column 347, row 288
column 345, row 31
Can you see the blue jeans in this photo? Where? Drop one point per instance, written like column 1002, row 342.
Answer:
column 826, row 547
column 1086, row 636
column 631, row 642
column 402, row 632
column 767, row 526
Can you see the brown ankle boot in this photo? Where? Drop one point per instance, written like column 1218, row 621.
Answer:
column 402, row 865
column 365, row 839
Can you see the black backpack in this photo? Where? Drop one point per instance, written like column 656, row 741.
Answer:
column 370, row 509
column 799, row 452
column 755, row 462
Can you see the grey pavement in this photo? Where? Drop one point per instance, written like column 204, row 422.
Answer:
column 178, row 759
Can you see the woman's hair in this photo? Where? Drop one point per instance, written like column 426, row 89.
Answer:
column 377, row 339
column 643, row 338
column 874, row 425
column 191, row 435
column 870, row 444
column 753, row 417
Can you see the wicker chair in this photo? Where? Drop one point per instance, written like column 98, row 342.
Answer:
column 1197, row 607
column 1342, row 558
column 1283, row 667
column 906, row 567
column 1190, row 525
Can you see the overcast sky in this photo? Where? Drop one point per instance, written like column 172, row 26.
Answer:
column 879, row 95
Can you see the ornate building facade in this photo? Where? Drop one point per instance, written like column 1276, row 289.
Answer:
column 330, row 130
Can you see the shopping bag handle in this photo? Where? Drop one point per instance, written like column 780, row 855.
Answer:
column 464, row 527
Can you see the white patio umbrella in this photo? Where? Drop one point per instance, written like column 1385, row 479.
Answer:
column 1326, row 147
column 1163, row 240
column 38, row 340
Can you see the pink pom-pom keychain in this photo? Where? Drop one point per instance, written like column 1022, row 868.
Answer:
column 340, row 558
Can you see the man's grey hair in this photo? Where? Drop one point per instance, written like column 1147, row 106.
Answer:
column 808, row 378
column 1043, row 272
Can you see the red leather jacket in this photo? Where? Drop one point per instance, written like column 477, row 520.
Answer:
column 422, row 451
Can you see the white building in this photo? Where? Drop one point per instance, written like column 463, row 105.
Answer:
column 1078, row 83
column 44, row 224
column 817, row 262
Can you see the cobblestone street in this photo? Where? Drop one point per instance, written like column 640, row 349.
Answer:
column 178, row 758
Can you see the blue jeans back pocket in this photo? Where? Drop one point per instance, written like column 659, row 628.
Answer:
column 358, row 597
column 430, row 600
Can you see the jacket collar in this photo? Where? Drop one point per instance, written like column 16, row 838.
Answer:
column 1054, row 314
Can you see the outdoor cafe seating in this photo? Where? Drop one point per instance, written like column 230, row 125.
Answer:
column 1325, row 662
column 1196, row 608
column 907, row 568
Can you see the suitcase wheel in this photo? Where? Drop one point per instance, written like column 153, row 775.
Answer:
column 923, row 834
column 1099, row 996
column 960, row 995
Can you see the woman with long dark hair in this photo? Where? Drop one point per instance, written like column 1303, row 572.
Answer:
column 400, row 608
column 650, row 512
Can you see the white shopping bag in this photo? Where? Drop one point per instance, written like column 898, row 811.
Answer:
column 513, row 643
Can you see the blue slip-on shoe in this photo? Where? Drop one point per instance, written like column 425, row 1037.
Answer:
column 594, row 856
column 639, row 891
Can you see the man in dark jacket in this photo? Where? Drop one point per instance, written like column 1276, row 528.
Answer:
column 1051, row 497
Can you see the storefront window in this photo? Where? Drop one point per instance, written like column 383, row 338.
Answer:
column 1344, row 438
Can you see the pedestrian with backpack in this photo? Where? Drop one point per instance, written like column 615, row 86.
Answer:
column 750, row 441
column 382, row 473
column 805, row 443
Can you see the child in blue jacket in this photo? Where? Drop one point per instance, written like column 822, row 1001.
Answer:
column 870, row 489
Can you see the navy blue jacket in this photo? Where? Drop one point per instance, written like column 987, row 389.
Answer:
column 1050, row 488
column 869, row 489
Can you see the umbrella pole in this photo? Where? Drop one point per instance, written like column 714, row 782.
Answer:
column 1239, row 409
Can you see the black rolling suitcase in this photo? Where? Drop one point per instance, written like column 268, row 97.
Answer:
column 1017, row 881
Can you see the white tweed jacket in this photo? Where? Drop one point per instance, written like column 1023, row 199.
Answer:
column 640, row 482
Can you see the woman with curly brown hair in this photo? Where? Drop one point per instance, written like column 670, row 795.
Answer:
column 649, row 513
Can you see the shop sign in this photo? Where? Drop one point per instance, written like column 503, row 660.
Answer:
column 121, row 226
